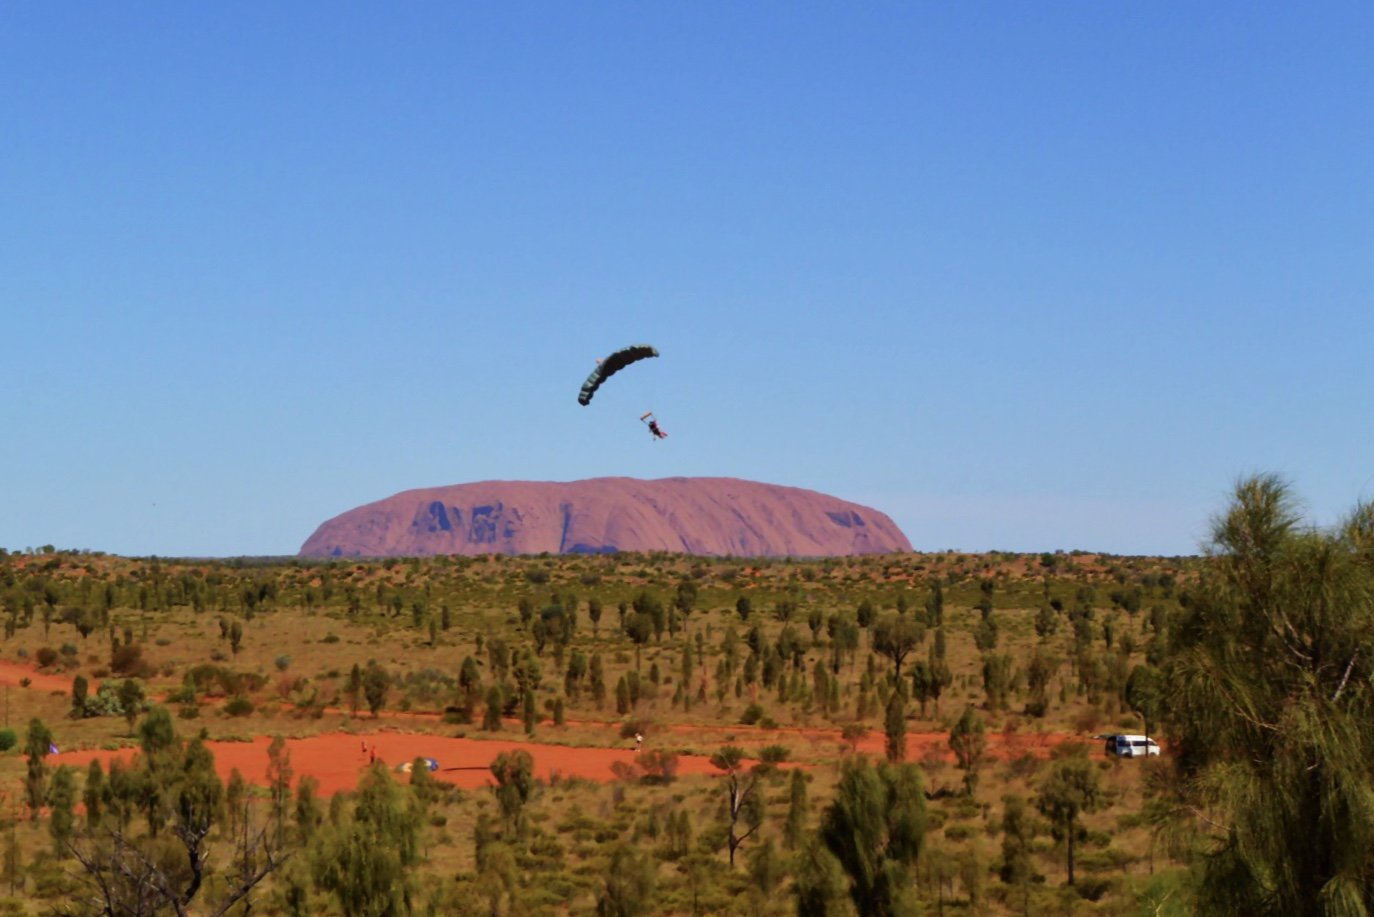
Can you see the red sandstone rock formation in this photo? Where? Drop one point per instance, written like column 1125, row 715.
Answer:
column 709, row 516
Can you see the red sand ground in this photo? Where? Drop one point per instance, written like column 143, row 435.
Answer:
column 336, row 760
column 12, row 673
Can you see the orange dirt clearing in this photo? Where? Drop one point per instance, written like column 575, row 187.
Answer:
column 12, row 673
column 337, row 760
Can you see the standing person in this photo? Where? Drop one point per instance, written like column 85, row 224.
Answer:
column 639, row 742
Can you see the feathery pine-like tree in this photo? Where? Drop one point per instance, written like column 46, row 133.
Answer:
column 1270, row 688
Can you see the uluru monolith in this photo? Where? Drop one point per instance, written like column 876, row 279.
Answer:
column 705, row 516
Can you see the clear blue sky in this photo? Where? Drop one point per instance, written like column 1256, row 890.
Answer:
column 1024, row 276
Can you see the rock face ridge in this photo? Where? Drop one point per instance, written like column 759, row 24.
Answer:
column 706, row 516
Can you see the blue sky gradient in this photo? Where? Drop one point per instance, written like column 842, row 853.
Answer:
column 1023, row 276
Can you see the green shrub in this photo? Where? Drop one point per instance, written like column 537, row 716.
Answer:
column 239, row 706
column 8, row 739
column 46, row 656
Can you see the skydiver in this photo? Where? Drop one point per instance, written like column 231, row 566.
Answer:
column 654, row 428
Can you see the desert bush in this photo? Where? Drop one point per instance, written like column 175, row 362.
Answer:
column 657, row 766
column 238, row 706
column 45, row 656
column 774, row 754
column 958, row 832
column 127, row 660
column 8, row 739
column 633, row 727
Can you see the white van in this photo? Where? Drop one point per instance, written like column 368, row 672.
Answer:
column 1131, row 746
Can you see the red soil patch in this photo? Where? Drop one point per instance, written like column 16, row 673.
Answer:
column 337, row 760
column 12, row 673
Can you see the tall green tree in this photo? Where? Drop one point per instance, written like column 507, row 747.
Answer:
column 968, row 739
column 798, row 811
column 1270, row 685
column 376, row 686
column 896, row 636
column 1018, row 834
column 367, row 861
column 93, row 795
column 628, row 887
column 875, row 827
column 514, row 773
column 1068, row 790
column 279, row 774
column 894, row 725
column 37, row 746
column 1145, row 694
column 62, row 803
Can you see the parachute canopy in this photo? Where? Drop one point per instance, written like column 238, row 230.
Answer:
column 612, row 365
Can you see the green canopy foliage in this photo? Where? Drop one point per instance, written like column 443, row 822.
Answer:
column 1270, row 702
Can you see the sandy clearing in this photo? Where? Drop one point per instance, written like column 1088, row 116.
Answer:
column 337, row 759
column 13, row 673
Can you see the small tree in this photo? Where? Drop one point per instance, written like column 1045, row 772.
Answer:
column 354, row 689
column 1069, row 789
column 794, row 830
column 1145, row 694
column 376, row 686
column 93, row 795
column 875, row 827
column 514, row 773
column 368, row 859
column 62, row 800
column 279, row 775
column 308, row 814
column 1018, row 835
column 131, row 700
column 628, row 888
column 969, row 742
column 743, row 798
column 895, row 726
column 639, row 627
column 79, row 688
column 37, row 745
column 895, row 636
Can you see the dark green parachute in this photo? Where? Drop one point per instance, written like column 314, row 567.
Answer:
column 612, row 365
